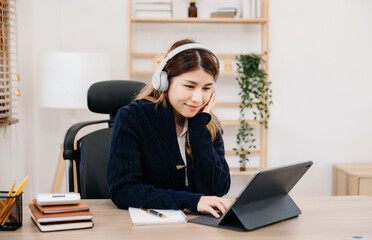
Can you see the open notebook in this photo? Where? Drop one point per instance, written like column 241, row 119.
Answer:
column 140, row 217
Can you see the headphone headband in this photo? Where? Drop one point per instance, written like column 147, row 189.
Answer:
column 160, row 77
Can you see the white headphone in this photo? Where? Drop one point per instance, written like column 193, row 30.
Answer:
column 160, row 78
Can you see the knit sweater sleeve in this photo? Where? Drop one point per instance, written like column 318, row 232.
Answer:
column 210, row 170
column 125, row 171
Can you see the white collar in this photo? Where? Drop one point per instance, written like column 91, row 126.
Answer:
column 185, row 128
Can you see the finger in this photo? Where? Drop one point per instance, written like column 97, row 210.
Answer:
column 213, row 98
column 221, row 207
column 212, row 101
column 213, row 212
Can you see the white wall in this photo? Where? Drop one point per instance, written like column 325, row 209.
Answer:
column 318, row 68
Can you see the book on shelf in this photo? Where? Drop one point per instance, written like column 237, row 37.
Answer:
column 228, row 9
column 154, row 14
column 59, row 217
column 228, row 12
column 140, row 217
column 60, row 226
column 251, row 8
column 82, row 206
column 223, row 15
column 155, row 8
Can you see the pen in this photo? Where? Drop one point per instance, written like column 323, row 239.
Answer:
column 153, row 212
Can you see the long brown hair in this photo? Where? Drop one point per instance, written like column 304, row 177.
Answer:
column 186, row 61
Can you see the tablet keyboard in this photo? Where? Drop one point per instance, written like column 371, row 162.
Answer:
column 206, row 220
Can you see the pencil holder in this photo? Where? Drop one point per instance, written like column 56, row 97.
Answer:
column 10, row 212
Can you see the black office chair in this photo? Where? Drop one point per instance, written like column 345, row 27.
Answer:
column 92, row 150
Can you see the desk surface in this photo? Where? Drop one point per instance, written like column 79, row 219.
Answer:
column 321, row 218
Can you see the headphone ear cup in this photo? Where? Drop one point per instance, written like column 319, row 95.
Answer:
column 156, row 81
column 163, row 81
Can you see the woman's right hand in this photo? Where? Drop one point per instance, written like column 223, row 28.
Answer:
column 213, row 204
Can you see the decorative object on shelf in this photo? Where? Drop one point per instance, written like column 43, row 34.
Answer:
column 224, row 13
column 153, row 8
column 255, row 94
column 193, row 11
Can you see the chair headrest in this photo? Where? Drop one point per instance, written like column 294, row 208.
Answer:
column 108, row 96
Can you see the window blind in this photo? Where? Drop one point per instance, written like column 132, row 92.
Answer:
column 9, row 78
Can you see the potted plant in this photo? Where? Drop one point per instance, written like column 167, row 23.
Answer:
column 255, row 94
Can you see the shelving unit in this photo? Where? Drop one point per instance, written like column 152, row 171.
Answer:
column 199, row 20
column 227, row 57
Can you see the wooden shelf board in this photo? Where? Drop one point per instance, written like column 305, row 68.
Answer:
column 227, row 104
column 199, row 20
column 237, row 122
column 152, row 71
column 5, row 123
column 232, row 152
column 143, row 71
column 248, row 171
column 154, row 55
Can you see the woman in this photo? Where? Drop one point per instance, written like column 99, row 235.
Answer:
column 167, row 150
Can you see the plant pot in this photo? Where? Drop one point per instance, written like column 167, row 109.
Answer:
column 242, row 167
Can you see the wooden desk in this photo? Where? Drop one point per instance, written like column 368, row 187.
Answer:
column 321, row 218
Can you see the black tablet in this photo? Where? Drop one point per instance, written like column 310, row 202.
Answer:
column 264, row 201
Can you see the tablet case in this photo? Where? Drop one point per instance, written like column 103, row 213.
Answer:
column 264, row 201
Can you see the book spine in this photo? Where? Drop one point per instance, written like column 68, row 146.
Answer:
column 245, row 9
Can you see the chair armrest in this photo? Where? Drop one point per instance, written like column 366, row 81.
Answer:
column 69, row 152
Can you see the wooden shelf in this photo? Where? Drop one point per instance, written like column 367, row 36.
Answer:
column 152, row 71
column 237, row 122
column 232, row 152
column 249, row 171
column 227, row 104
column 5, row 123
column 199, row 20
column 154, row 55
column 143, row 71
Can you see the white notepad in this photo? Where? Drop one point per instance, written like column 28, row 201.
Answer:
column 140, row 217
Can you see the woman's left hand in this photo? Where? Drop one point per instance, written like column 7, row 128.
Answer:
column 212, row 101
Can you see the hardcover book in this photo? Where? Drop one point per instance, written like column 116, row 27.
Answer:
column 82, row 206
column 60, row 226
column 59, row 217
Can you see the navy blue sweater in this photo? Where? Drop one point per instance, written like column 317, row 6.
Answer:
column 144, row 154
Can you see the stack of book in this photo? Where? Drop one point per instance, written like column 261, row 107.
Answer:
column 61, row 217
column 153, row 8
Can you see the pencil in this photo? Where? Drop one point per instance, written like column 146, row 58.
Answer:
column 10, row 192
column 23, row 184
column 2, row 204
column 7, row 209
